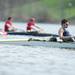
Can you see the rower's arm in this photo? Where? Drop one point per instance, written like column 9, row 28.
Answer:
column 37, row 27
column 8, row 25
column 61, row 31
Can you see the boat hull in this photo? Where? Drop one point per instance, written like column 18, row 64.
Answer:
column 23, row 42
column 31, row 33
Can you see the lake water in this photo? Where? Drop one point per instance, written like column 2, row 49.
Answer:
column 29, row 60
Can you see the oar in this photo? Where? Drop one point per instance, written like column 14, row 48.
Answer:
column 70, row 37
column 67, row 39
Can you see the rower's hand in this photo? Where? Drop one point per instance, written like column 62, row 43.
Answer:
column 41, row 31
column 12, row 29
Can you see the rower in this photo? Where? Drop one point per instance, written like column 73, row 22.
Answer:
column 8, row 25
column 63, row 32
column 31, row 27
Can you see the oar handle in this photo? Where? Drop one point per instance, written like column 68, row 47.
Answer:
column 66, row 37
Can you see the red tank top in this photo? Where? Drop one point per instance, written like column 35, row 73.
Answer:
column 29, row 25
column 6, row 27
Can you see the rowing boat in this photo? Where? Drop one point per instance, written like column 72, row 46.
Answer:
column 24, row 42
column 31, row 33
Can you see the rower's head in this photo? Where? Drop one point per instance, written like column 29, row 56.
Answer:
column 9, row 18
column 32, row 20
column 64, row 23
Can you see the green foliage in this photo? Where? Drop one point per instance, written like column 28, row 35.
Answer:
column 48, row 9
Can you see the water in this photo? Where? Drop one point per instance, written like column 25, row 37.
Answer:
column 18, row 60
column 29, row 60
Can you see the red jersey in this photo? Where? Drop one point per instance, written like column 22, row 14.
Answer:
column 7, row 25
column 29, row 25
